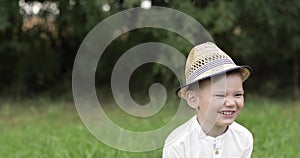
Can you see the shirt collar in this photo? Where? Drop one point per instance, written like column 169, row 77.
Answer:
column 202, row 134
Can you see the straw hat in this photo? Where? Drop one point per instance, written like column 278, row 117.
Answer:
column 207, row 60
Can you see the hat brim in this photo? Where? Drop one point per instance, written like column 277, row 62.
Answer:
column 246, row 71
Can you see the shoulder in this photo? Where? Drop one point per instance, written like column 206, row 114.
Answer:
column 238, row 128
column 180, row 139
column 240, row 132
column 180, row 132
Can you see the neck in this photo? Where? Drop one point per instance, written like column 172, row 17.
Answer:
column 217, row 131
column 211, row 129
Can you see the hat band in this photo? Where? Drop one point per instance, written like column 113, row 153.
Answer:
column 207, row 67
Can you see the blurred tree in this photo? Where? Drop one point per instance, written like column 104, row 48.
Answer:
column 39, row 40
column 11, row 45
column 267, row 36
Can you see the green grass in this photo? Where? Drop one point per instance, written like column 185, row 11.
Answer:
column 275, row 126
column 41, row 129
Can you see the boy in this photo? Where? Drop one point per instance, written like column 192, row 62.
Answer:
column 214, row 88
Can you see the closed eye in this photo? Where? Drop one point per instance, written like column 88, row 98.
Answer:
column 239, row 94
column 219, row 95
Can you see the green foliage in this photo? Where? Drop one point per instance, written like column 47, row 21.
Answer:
column 37, row 51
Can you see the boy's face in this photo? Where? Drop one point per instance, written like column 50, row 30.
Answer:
column 219, row 101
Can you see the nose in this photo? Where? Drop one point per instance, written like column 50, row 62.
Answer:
column 229, row 102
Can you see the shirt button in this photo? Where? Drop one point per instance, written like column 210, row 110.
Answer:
column 216, row 152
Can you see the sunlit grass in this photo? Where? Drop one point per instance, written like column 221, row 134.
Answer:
column 43, row 128
column 275, row 126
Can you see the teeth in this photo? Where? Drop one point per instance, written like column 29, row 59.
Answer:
column 227, row 113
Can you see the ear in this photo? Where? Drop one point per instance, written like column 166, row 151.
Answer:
column 192, row 99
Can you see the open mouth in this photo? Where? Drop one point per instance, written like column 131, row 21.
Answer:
column 227, row 113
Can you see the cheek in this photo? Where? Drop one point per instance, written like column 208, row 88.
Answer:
column 217, row 102
column 212, row 105
column 240, row 103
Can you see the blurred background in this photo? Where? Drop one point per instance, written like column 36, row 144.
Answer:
column 40, row 39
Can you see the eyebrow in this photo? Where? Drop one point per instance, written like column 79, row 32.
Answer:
column 222, row 92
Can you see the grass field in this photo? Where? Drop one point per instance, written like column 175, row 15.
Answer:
column 42, row 128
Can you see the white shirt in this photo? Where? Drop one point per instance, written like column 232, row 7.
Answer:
column 190, row 141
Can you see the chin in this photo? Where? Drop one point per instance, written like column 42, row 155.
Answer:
column 225, row 123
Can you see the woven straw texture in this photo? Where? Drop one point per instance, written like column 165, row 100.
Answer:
column 206, row 60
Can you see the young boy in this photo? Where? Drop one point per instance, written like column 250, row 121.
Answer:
column 214, row 88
